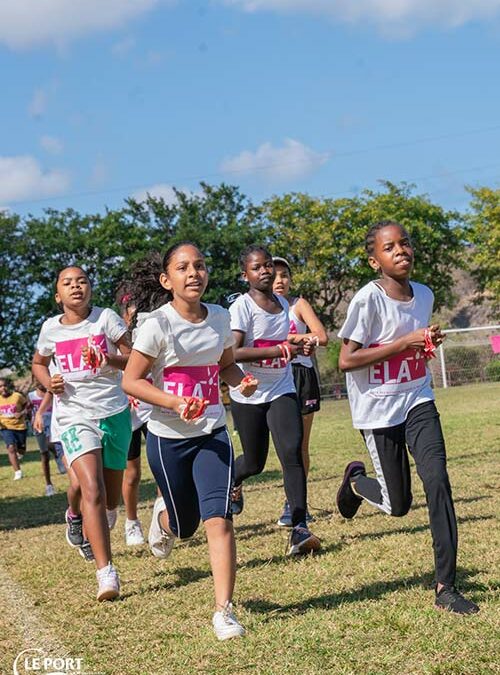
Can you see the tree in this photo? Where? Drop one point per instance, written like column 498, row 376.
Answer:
column 220, row 220
column 14, row 300
column 324, row 241
column 483, row 232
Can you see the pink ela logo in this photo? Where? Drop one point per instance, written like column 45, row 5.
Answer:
column 27, row 663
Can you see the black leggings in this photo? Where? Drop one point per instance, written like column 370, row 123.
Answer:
column 391, row 490
column 282, row 418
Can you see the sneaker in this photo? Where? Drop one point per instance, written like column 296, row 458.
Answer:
column 285, row 520
column 226, row 625
column 449, row 598
column 60, row 465
column 237, row 501
column 160, row 542
column 111, row 516
column 109, row 583
column 85, row 550
column 49, row 490
column 302, row 540
column 348, row 502
column 74, row 533
column 133, row 533
column 18, row 475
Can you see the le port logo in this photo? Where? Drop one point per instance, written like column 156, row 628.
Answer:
column 36, row 661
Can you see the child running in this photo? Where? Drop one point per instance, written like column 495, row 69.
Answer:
column 304, row 325
column 140, row 413
column 187, row 345
column 13, row 408
column 92, row 410
column 42, row 433
column 261, row 325
column 386, row 341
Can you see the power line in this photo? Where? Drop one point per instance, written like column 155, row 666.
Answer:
column 127, row 190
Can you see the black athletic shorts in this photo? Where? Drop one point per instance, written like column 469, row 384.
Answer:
column 134, row 450
column 307, row 386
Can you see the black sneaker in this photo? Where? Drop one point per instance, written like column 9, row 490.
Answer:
column 453, row 601
column 74, row 532
column 348, row 503
column 237, row 501
column 302, row 540
column 86, row 552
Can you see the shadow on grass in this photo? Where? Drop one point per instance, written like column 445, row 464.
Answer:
column 184, row 577
column 373, row 591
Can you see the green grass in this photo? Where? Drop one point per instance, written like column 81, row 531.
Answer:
column 363, row 605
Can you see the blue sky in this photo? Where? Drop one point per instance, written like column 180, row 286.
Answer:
column 113, row 98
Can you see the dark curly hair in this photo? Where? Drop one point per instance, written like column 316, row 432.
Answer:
column 372, row 233
column 247, row 252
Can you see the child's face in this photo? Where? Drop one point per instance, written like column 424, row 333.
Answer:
column 259, row 271
column 392, row 253
column 282, row 280
column 4, row 389
column 186, row 276
column 73, row 288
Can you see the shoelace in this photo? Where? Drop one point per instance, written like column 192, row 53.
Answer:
column 75, row 526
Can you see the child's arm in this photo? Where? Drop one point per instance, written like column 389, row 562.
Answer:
column 251, row 354
column 40, row 370
column 118, row 361
column 354, row 357
column 234, row 376
column 134, row 383
column 307, row 315
column 44, row 406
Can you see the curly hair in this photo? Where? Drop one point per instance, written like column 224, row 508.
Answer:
column 372, row 233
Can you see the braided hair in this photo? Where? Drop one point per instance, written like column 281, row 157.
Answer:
column 372, row 233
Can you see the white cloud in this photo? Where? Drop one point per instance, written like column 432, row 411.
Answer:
column 292, row 161
column 30, row 23
column 391, row 16
column 51, row 145
column 22, row 178
column 121, row 48
column 38, row 104
column 160, row 191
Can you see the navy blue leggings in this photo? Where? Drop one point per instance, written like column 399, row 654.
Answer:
column 195, row 476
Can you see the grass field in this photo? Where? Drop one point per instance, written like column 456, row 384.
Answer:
column 363, row 605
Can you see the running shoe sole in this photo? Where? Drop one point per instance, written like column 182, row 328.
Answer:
column 357, row 467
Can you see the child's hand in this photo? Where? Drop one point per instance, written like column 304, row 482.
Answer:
column 93, row 357
column 310, row 345
column 417, row 339
column 191, row 409
column 38, row 423
column 248, row 385
column 56, row 385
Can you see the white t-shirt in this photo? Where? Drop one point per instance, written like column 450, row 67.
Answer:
column 139, row 410
column 263, row 329
column 382, row 394
column 36, row 402
column 186, row 364
column 88, row 393
column 298, row 327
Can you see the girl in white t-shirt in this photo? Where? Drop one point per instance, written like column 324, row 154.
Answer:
column 386, row 339
column 304, row 325
column 186, row 345
column 92, row 410
column 261, row 325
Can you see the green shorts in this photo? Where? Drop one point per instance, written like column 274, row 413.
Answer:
column 112, row 434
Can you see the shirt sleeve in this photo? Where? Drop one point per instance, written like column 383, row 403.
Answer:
column 150, row 339
column 240, row 315
column 115, row 326
column 44, row 346
column 226, row 329
column 358, row 323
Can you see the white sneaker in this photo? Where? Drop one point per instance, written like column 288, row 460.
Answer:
column 133, row 533
column 49, row 490
column 160, row 543
column 111, row 516
column 18, row 475
column 226, row 625
column 109, row 583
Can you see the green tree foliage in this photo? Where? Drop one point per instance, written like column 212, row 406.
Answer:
column 483, row 232
column 324, row 242
column 220, row 220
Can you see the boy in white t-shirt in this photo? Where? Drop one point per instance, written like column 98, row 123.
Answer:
column 386, row 341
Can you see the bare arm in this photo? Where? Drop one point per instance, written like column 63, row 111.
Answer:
column 251, row 354
column 307, row 315
column 354, row 357
column 233, row 375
